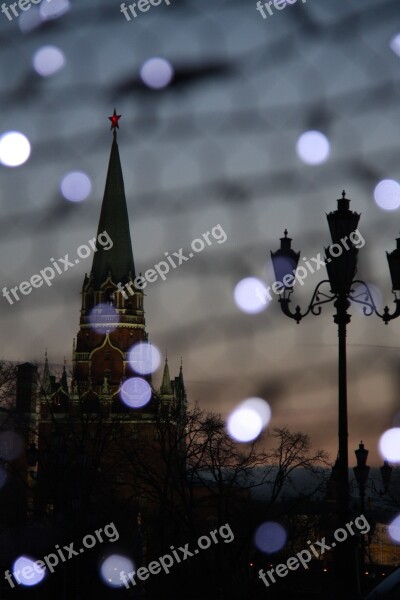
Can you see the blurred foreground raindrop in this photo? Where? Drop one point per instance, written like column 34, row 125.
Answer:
column 270, row 537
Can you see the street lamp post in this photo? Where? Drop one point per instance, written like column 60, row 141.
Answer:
column 341, row 264
column 32, row 456
column 361, row 472
column 386, row 476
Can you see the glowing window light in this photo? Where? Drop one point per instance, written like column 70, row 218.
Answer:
column 135, row 392
column 244, row 424
column 144, row 358
column 387, row 194
column 395, row 44
column 261, row 407
column 251, row 295
column 15, row 149
column 114, row 567
column 313, row 148
column 270, row 537
column 48, row 60
column 394, row 530
column 11, row 445
column 156, row 73
column 27, row 572
column 389, row 445
column 76, row 186
column 54, row 9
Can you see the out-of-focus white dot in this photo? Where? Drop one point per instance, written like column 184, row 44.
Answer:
column 76, row 186
column 48, row 60
column 270, row 537
column 244, row 424
column 359, row 292
column 11, row 445
column 144, row 358
column 313, row 148
column 27, row 572
column 395, row 44
column 394, row 530
column 15, row 149
column 251, row 295
column 112, row 567
column 30, row 20
column 135, row 392
column 103, row 318
column 53, row 9
column 261, row 407
column 156, row 73
column 389, row 445
column 387, row 194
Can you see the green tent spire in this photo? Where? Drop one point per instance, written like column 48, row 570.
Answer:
column 114, row 220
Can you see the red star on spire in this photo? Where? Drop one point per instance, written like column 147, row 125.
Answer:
column 114, row 120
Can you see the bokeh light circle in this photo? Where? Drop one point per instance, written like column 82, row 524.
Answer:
column 359, row 291
column 103, row 318
column 30, row 20
column 15, row 149
column 53, row 9
column 251, row 295
column 76, row 186
column 144, row 358
column 112, row 567
column 26, row 572
column 313, row 148
column 261, row 407
column 270, row 537
column 156, row 73
column 395, row 44
column 244, row 424
column 11, row 445
column 389, row 445
column 48, row 60
column 135, row 392
column 394, row 529
column 387, row 194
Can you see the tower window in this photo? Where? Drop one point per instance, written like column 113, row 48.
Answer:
column 107, row 355
column 107, row 375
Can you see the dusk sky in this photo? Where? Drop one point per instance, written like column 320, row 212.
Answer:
column 218, row 145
